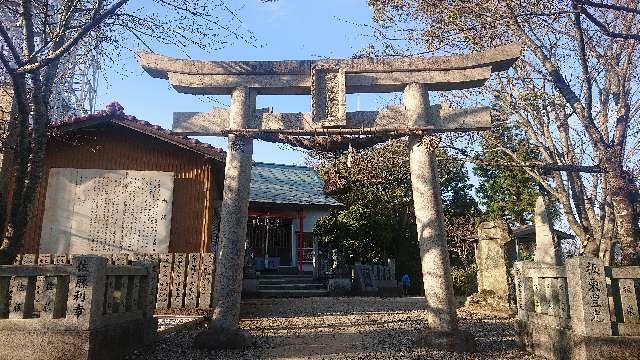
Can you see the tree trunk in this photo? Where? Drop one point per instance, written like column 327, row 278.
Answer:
column 14, row 170
column 623, row 191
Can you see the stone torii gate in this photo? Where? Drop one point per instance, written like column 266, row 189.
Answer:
column 328, row 81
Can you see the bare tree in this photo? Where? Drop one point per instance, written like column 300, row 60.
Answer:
column 33, row 56
column 574, row 94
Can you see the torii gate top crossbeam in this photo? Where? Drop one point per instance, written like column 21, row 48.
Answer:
column 328, row 81
column 362, row 75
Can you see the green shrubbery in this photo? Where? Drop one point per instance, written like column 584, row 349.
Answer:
column 464, row 280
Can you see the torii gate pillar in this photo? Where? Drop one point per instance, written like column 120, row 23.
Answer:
column 234, row 212
column 427, row 201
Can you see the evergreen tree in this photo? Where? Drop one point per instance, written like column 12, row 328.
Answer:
column 378, row 220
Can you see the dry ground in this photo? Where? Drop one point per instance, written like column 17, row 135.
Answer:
column 343, row 328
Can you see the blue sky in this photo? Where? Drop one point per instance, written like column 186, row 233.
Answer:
column 285, row 29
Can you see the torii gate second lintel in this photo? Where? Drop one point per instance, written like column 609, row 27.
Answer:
column 328, row 81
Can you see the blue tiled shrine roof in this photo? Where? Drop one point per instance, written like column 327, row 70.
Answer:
column 288, row 184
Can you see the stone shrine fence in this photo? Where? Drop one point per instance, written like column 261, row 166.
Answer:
column 582, row 310
column 184, row 280
column 88, row 309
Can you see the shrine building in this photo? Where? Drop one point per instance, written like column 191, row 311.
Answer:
column 113, row 183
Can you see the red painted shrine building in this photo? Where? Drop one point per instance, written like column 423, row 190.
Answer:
column 113, row 183
column 285, row 203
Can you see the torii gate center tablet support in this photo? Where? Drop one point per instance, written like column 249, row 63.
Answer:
column 328, row 81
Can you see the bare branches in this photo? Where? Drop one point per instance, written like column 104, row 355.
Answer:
column 12, row 48
column 609, row 6
column 48, row 47
column 572, row 98
column 96, row 19
column 584, row 64
column 605, row 29
column 602, row 26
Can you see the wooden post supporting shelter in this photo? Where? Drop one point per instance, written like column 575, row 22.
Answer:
column 328, row 82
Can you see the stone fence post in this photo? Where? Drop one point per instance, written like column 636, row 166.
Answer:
column 86, row 291
column 148, row 291
column 391, row 264
column 588, row 301
column 524, row 290
column 149, row 286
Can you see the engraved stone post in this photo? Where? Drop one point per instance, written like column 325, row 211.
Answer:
column 191, row 288
column 43, row 259
column 436, row 275
column 490, row 257
column 22, row 297
column 207, row 271
column 563, row 296
column 164, row 281
column 86, row 291
column 54, row 297
column 124, row 294
column 134, row 295
column 177, row 286
column 627, row 304
column 110, row 290
column 234, row 212
column 148, row 285
column 588, row 299
column 524, row 290
column 4, row 296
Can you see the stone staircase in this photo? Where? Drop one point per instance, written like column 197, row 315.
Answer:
column 288, row 285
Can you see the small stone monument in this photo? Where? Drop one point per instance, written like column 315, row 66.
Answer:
column 340, row 280
column 545, row 251
column 366, row 279
column 250, row 276
column 490, row 257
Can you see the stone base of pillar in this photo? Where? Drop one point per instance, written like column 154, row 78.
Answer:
column 454, row 341
column 219, row 337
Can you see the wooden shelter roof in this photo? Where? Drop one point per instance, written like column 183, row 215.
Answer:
column 114, row 114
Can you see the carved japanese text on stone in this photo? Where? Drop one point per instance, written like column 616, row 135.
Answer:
column 99, row 211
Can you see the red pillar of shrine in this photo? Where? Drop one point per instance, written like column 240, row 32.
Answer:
column 301, row 246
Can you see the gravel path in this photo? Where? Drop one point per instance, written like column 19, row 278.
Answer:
column 343, row 328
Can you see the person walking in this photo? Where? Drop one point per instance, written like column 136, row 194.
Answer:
column 406, row 282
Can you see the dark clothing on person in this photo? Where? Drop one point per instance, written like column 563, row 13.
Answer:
column 406, row 282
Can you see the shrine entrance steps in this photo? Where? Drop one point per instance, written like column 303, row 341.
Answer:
column 278, row 285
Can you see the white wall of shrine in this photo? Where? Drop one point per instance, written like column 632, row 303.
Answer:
column 97, row 211
column 311, row 216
